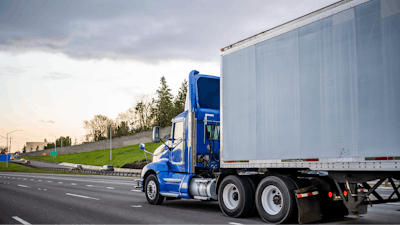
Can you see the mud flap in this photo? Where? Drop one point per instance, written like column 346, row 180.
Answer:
column 308, row 205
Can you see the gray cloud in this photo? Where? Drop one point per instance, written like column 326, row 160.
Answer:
column 48, row 121
column 140, row 30
column 57, row 76
column 9, row 70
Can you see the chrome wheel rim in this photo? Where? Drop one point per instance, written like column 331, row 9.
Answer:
column 272, row 200
column 231, row 196
column 151, row 190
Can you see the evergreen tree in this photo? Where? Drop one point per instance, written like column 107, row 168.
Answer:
column 179, row 102
column 163, row 110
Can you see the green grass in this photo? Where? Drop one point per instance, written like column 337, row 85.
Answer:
column 13, row 167
column 120, row 156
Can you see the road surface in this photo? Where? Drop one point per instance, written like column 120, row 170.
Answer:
column 66, row 199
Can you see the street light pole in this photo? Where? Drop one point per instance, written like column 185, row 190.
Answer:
column 55, row 143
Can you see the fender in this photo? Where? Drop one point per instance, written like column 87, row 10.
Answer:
column 155, row 168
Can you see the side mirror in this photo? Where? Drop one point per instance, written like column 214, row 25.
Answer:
column 156, row 134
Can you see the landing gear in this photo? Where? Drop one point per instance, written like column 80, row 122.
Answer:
column 275, row 200
column 153, row 190
column 235, row 196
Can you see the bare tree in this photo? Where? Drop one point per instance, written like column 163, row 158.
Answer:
column 97, row 127
column 143, row 113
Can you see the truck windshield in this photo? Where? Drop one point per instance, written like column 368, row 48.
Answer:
column 208, row 89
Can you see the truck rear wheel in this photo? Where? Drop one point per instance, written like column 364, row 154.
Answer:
column 275, row 200
column 235, row 196
column 153, row 190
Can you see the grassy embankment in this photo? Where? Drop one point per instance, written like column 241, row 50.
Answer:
column 12, row 167
column 120, row 156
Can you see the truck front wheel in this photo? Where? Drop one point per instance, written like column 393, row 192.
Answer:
column 275, row 200
column 235, row 196
column 153, row 190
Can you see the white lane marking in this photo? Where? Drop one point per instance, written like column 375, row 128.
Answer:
column 24, row 178
column 110, row 188
column 44, row 189
column 73, row 184
column 22, row 186
column 39, row 180
column 19, row 178
column 20, row 220
column 49, row 181
column 31, row 179
column 13, row 177
column 137, row 190
column 81, row 196
column 136, row 206
column 60, row 182
column 393, row 203
column 235, row 223
column 86, row 179
column 38, row 188
column 89, row 185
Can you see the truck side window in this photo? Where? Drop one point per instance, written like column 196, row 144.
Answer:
column 178, row 131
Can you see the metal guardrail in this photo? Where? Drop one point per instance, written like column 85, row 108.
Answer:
column 111, row 173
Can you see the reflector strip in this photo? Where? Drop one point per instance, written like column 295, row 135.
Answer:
column 237, row 161
column 363, row 190
column 299, row 160
column 382, row 158
column 307, row 194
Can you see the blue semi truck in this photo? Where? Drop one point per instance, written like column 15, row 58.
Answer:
column 303, row 122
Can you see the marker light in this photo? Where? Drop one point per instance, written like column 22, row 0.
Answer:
column 330, row 194
column 345, row 193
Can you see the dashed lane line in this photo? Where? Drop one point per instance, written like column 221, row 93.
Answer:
column 20, row 220
column 137, row 190
column 136, row 206
column 73, row 184
column 81, row 196
column 110, row 188
column 235, row 223
column 23, row 186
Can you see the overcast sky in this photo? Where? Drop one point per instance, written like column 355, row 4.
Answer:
column 62, row 62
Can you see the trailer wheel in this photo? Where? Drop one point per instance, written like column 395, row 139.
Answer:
column 275, row 200
column 235, row 196
column 153, row 190
column 252, row 184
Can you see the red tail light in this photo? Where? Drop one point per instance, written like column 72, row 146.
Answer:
column 330, row 194
column 345, row 193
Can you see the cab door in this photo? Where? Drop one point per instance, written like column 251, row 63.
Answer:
column 178, row 148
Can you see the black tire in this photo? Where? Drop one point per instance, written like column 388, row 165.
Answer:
column 152, row 190
column 252, row 184
column 238, row 200
column 281, row 206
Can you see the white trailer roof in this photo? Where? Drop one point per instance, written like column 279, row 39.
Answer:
column 294, row 24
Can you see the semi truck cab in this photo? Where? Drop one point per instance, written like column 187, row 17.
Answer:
column 185, row 165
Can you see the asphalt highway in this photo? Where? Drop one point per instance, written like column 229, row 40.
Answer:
column 66, row 199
